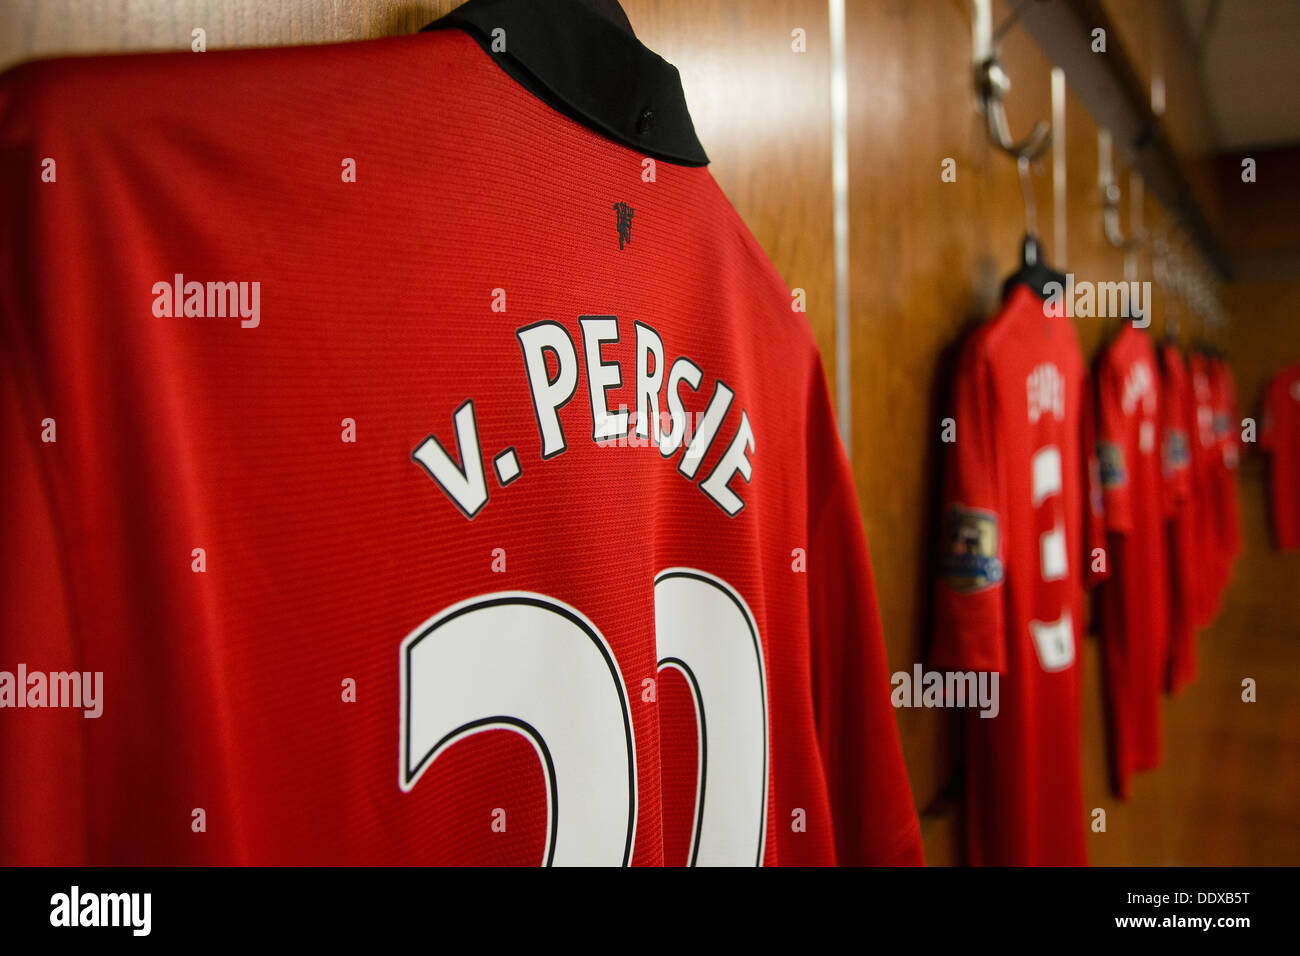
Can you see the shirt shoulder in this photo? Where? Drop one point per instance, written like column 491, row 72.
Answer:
column 1023, row 335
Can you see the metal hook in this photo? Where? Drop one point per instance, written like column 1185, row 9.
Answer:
column 992, row 85
column 1163, row 271
column 1027, row 190
column 1194, row 287
column 1110, row 198
column 1160, row 259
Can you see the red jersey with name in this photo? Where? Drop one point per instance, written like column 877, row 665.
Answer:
column 1185, row 557
column 1010, row 594
column 1135, row 601
column 405, row 480
column 1280, row 437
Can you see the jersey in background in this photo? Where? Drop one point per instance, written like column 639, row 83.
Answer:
column 1010, row 592
column 1206, row 464
column 1135, row 599
column 1226, row 424
column 1185, row 561
column 1280, row 437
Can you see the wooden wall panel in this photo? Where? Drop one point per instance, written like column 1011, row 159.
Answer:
column 1261, row 233
column 762, row 112
column 53, row 27
column 1156, row 41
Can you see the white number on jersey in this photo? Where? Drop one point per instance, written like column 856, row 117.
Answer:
column 1053, row 640
column 476, row 666
column 704, row 630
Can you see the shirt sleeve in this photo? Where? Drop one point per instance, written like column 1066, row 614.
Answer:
column 1112, row 448
column 874, row 817
column 1231, row 442
column 1231, row 436
column 43, row 790
column 42, row 819
column 1094, row 509
column 1175, row 449
column 970, row 621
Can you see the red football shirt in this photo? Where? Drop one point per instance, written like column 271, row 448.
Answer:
column 1135, row 600
column 1224, row 392
column 1010, row 593
column 1185, row 557
column 1097, row 565
column 495, row 512
column 1280, row 437
column 1206, row 464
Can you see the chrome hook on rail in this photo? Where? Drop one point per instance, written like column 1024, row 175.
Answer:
column 992, row 84
column 1110, row 199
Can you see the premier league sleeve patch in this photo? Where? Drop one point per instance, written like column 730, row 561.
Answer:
column 1176, row 453
column 1113, row 472
column 970, row 558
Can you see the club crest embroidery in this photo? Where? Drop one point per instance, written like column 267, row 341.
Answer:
column 624, row 212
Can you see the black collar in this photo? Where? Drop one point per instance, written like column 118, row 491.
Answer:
column 587, row 67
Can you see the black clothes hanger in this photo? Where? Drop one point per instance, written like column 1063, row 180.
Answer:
column 1033, row 271
column 611, row 11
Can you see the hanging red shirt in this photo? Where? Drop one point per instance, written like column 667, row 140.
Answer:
column 1280, row 437
column 1135, row 600
column 1228, row 438
column 365, row 500
column 1206, row 465
column 1010, row 596
column 1178, row 406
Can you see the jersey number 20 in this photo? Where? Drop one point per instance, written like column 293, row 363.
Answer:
column 487, row 663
